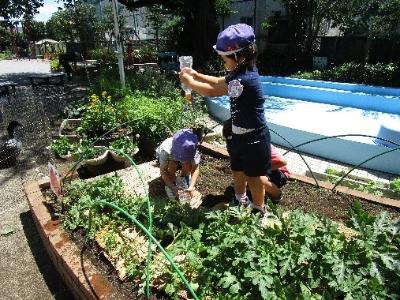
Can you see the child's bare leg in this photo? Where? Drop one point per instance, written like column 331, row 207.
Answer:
column 257, row 190
column 239, row 179
column 270, row 188
column 186, row 169
column 172, row 167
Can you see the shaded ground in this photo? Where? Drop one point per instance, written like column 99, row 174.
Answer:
column 26, row 269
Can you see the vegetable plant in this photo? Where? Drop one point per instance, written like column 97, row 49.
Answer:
column 124, row 144
column 228, row 255
column 99, row 117
column 395, row 186
column 159, row 118
column 85, row 150
column 61, row 146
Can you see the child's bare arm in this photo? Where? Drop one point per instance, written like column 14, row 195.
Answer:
column 167, row 178
column 211, row 89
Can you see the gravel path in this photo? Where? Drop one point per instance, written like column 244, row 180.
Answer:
column 25, row 268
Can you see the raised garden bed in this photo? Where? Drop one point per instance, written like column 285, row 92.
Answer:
column 215, row 177
column 84, row 279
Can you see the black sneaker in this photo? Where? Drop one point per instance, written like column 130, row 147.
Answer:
column 255, row 211
column 230, row 194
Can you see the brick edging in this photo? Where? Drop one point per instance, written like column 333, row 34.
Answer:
column 83, row 279
column 221, row 152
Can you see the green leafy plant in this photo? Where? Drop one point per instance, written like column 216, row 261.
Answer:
column 157, row 119
column 376, row 74
column 85, row 150
column 7, row 54
column 228, row 255
column 395, row 186
column 371, row 187
column 99, row 117
column 97, row 54
column 54, row 64
column 124, row 144
column 61, row 146
column 75, row 109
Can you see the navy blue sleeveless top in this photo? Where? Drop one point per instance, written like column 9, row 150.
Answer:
column 247, row 109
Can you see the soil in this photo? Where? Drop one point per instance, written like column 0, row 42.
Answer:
column 215, row 177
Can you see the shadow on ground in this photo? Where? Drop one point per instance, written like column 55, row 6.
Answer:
column 50, row 275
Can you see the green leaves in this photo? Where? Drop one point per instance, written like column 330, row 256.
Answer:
column 159, row 118
column 228, row 255
column 229, row 281
column 376, row 74
column 61, row 146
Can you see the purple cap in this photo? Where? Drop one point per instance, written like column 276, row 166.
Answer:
column 234, row 38
column 184, row 145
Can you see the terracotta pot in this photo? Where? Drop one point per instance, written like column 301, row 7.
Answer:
column 107, row 162
column 72, row 137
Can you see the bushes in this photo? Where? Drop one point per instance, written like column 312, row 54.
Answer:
column 373, row 74
column 158, row 118
column 150, row 82
column 6, row 55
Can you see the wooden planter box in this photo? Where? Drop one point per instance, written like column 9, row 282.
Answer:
column 83, row 278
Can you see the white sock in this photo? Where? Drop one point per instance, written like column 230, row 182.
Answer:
column 240, row 197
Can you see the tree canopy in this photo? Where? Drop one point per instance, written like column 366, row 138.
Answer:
column 374, row 18
column 12, row 9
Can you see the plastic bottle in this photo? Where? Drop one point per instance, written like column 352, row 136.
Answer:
column 186, row 61
column 182, row 183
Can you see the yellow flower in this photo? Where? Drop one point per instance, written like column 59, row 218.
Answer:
column 104, row 93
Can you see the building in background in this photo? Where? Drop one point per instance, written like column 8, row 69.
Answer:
column 135, row 26
column 258, row 13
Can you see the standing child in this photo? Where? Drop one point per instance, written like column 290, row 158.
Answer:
column 251, row 151
column 279, row 172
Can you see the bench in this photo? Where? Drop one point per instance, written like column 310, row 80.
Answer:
column 6, row 86
column 5, row 89
column 47, row 79
column 142, row 67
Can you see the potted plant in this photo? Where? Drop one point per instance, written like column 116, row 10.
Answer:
column 101, row 116
column 125, row 145
column 61, row 147
column 69, row 129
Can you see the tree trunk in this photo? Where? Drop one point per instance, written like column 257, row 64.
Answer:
column 199, row 32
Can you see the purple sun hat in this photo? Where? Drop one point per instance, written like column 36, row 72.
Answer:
column 184, row 145
column 234, row 38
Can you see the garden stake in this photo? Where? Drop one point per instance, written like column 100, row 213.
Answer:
column 298, row 152
column 371, row 158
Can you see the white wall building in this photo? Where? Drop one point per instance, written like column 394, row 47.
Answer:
column 136, row 24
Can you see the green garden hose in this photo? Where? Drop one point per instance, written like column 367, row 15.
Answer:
column 153, row 239
column 360, row 164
